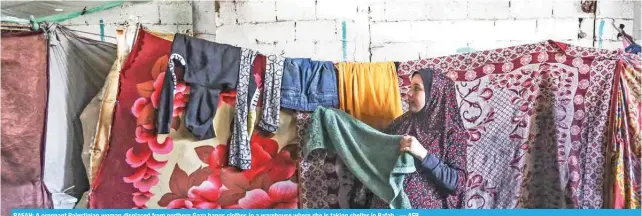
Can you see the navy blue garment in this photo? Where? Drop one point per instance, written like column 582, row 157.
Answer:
column 308, row 84
column 210, row 68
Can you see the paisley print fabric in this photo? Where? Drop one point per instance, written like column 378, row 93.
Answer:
column 536, row 117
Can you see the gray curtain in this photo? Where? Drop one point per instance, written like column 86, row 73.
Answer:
column 77, row 70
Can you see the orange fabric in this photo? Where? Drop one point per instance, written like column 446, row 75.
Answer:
column 369, row 92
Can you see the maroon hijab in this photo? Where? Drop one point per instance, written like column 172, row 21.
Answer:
column 439, row 128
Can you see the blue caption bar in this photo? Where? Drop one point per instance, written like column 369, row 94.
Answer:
column 320, row 212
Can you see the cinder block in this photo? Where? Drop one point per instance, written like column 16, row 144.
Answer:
column 256, row 11
column 466, row 30
column 515, row 30
column 586, row 28
column 442, row 48
column 488, row 9
column 271, row 32
column 377, row 11
column 266, row 49
column 185, row 29
column 391, row 31
column 226, row 14
column 317, row 31
column 447, row 10
column 431, row 30
column 358, row 51
column 615, row 9
column 582, row 42
column 108, row 16
column 404, row 51
column 297, row 49
column 527, row 9
column 179, row 13
column 146, row 13
column 611, row 45
column 235, row 35
column 569, row 9
column 637, row 20
column 558, row 29
column 405, row 10
column 490, row 45
column 295, row 10
column 333, row 9
column 329, row 51
column 609, row 32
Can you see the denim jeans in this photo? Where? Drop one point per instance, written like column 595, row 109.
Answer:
column 308, row 84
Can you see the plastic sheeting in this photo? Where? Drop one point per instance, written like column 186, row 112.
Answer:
column 78, row 67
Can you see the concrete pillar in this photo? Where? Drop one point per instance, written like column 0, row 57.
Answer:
column 204, row 19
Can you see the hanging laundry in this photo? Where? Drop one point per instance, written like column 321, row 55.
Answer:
column 369, row 92
column 624, row 156
column 633, row 48
column 240, row 155
column 209, row 69
column 24, row 102
column 536, row 116
column 128, row 172
column 374, row 157
column 251, row 85
column 143, row 173
column 308, row 84
column 272, row 93
column 97, row 116
column 78, row 67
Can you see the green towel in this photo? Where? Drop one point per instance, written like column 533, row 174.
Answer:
column 372, row 156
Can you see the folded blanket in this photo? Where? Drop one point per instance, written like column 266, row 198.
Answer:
column 372, row 156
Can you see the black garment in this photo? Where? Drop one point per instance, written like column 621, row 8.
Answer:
column 209, row 69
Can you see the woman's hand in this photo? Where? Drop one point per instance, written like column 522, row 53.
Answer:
column 411, row 145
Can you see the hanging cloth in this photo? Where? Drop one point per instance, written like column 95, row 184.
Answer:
column 78, row 67
column 369, row 92
column 24, row 110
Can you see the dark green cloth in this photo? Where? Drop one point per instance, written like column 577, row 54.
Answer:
column 372, row 156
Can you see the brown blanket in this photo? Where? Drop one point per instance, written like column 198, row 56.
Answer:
column 24, row 99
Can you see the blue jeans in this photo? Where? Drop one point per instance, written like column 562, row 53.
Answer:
column 308, row 84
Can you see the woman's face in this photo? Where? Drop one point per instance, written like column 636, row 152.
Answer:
column 417, row 94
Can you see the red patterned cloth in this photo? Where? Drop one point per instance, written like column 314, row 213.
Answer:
column 120, row 177
column 536, row 116
column 181, row 172
column 624, row 150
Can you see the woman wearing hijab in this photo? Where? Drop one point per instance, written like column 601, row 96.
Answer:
column 435, row 136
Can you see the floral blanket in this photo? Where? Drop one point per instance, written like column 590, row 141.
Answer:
column 138, row 171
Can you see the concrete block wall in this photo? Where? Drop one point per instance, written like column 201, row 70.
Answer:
column 378, row 30
column 169, row 16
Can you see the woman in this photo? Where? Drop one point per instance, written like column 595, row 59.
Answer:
column 435, row 136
